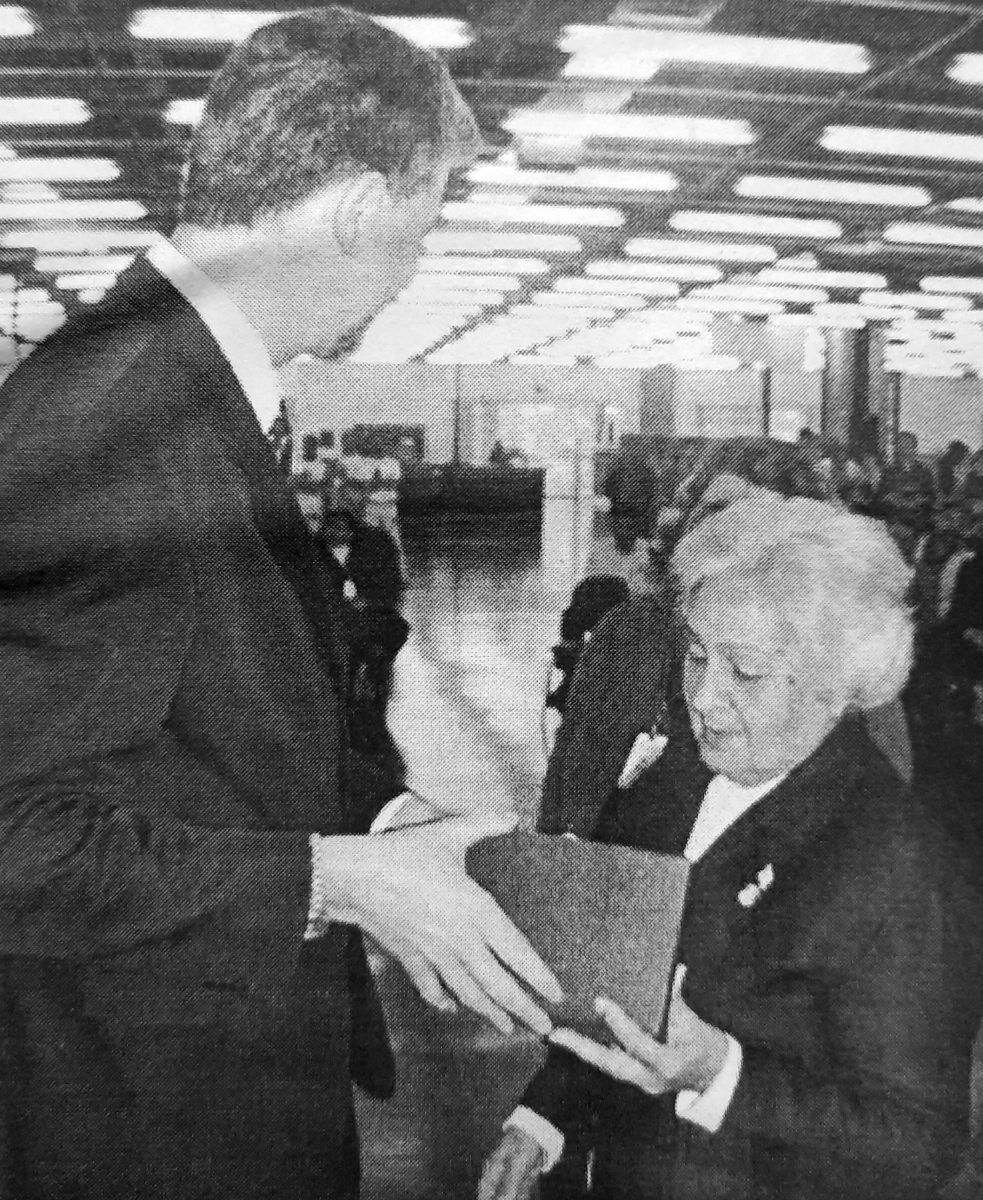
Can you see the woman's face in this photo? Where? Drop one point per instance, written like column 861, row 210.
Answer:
column 752, row 696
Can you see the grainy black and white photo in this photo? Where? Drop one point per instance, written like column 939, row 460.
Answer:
column 491, row 600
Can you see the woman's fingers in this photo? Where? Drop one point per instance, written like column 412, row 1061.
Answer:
column 611, row 1060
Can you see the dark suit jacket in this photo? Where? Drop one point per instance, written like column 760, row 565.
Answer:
column 171, row 724
column 852, row 985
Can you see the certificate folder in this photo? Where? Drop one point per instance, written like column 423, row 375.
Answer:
column 605, row 918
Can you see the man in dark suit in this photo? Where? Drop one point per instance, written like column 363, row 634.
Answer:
column 184, row 995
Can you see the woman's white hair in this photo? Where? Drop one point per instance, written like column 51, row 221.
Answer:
column 837, row 578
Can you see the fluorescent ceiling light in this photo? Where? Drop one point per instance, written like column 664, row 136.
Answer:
column 767, row 291
column 725, row 304
column 543, row 360
column 761, row 223
column 468, row 264
column 509, row 174
column 638, row 46
column 865, row 312
column 28, row 191
column 451, row 296
column 904, row 143
column 634, row 360
column 640, row 287
column 537, row 122
column 15, row 21
column 458, row 279
column 59, row 263
column 43, row 110
column 91, row 295
column 470, row 241
column 184, row 112
column 72, row 210
column 71, row 283
column 27, row 296
column 67, row 241
column 969, row 284
column 68, row 170
column 914, row 300
column 817, row 320
column 688, row 272
column 233, row 25
column 970, row 204
column 934, row 235
column 831, row 279
column 966, row 68
column 573, row 299
column 644, row 247
column 837, row 191
column 534, row 214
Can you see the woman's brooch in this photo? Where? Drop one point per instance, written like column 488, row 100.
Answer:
column 751, row 893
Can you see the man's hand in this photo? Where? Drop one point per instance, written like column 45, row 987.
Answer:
column 690, row 1058
column 409, row 891
column 512, row 1168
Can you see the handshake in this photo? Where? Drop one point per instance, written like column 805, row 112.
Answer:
column 409, row 891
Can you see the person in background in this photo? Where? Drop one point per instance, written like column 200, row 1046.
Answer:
column 955, row 453
column 820, row 1029
column 381, row 510
column 182, row 887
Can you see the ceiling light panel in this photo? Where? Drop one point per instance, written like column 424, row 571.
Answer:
column 459, row 279
column 481, row 265
column 73, row 282
column 638, row 46
column 933, row 235
column 817, row 320
column 60, row 170
column 966, row 68
column 68, row 241
column 966, row 284
column 43, row 110
column 833, row 191
column 451, row 296
column 687, row 272
column 755, row 223
column 970, row 204
column 767, row 291
column 914, row 300
column 724, row 304
column 750, row 252
column 466, row 241
column 536, row 122
column 640, row 287
column 903, row 143
column 72, row 210
column 534, row 214
column 602, row 299
column 234, row 25
column 62, row 263
column 828, row 279
column 15, row 21
column 509, row 174
column 184, row 112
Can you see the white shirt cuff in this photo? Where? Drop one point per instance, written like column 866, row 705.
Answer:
column 540, row 1130
column 709, row 1107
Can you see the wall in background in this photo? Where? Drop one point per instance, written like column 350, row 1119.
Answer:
column 939, row 410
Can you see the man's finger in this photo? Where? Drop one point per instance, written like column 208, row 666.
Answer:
column 611, row 1061
column 520, row 1174
column 515, row 950
column 427, row 982
column 459, row 980
column 503, row 989
column 492, row 1174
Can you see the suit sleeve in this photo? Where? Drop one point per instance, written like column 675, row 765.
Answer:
column 883, row 1107
column 100, row 852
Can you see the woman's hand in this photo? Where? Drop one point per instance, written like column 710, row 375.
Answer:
column 512, row 1168
column 690, row 1058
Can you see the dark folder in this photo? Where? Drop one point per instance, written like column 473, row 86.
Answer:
column 605, row 918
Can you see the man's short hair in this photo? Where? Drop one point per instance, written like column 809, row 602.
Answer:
column 311, row 98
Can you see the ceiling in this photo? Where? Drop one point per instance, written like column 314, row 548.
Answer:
column 733, row 108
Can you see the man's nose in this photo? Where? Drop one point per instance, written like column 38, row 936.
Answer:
column 713, row 694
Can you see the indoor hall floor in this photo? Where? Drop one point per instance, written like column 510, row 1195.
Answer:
column 467, row 712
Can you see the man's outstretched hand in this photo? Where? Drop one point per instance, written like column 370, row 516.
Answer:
column 409, row 891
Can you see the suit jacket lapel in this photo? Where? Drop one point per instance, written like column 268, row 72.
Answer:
column 776, row 832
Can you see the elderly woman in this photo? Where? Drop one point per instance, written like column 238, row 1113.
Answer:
column 818, row 1047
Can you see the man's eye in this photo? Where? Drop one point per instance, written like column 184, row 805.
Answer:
column 695, row 655
column 748, row 676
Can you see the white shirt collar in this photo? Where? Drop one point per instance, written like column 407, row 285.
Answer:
column 236, row 336
column 723, row 803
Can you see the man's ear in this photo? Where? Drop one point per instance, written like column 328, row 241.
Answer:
column 357, row 209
